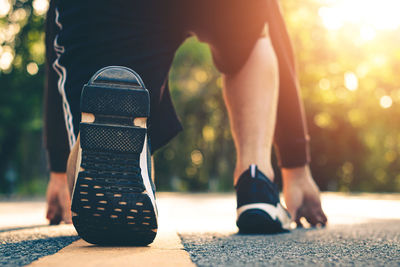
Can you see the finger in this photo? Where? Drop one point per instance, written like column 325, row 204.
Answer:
column 56, row 219
column 312, row 220
column 324, row 219
column 313, row 217
column 321, row 217
column 298, row 222
column 320, row 221
column 67, row 218
column 297, row 215
column 318, row 218
column 50, row 212
column 53, row 214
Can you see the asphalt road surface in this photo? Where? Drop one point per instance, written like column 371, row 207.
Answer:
column 375, row 243
column 364, row 230
column 22, row 246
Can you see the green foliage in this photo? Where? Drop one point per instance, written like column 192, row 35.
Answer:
column 22, row 41
column 348, row 72
column 349, row 85
column 204, row 151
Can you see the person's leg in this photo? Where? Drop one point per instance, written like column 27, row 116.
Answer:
column 251, row 99
column 230, row 50
column 108, row 169
column 232, row 37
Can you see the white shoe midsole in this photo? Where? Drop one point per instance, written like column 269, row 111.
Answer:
column 145, row 175
column 77, row 170
column 277, row 212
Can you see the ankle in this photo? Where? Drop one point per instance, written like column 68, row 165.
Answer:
column 264, row 168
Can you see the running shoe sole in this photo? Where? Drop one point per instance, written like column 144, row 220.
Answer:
column 113, row 200
column 259, row 221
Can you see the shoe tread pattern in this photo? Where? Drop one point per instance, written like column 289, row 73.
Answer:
column 110, row 202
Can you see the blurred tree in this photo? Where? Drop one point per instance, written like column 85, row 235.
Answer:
column 348, row 57
column 21, row 81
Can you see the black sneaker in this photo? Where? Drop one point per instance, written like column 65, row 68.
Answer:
column 113, row 200
column 258, row 207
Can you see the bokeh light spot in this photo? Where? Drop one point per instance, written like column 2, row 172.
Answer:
column 324, row 84
column 208, row 133
column 6, row 59
column 197, row 157
column 201, row 76
column 18, row 15
column 351, row 81
column 219, row 82
column 40, row 6
column 5, row 7
column 386, row 101
column 32, row 68
column 323, row 120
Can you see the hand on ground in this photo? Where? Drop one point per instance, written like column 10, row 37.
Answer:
column 302, row 196
column 58, row 199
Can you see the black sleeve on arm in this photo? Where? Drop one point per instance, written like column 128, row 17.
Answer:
column 291, row 133
column 54, row 131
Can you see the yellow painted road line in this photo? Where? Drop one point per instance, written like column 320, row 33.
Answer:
column 167, row 250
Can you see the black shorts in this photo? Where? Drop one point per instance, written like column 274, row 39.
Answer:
column 144, row 35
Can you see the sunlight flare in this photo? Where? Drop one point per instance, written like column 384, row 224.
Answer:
column 351, row 81
column 373, row 14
